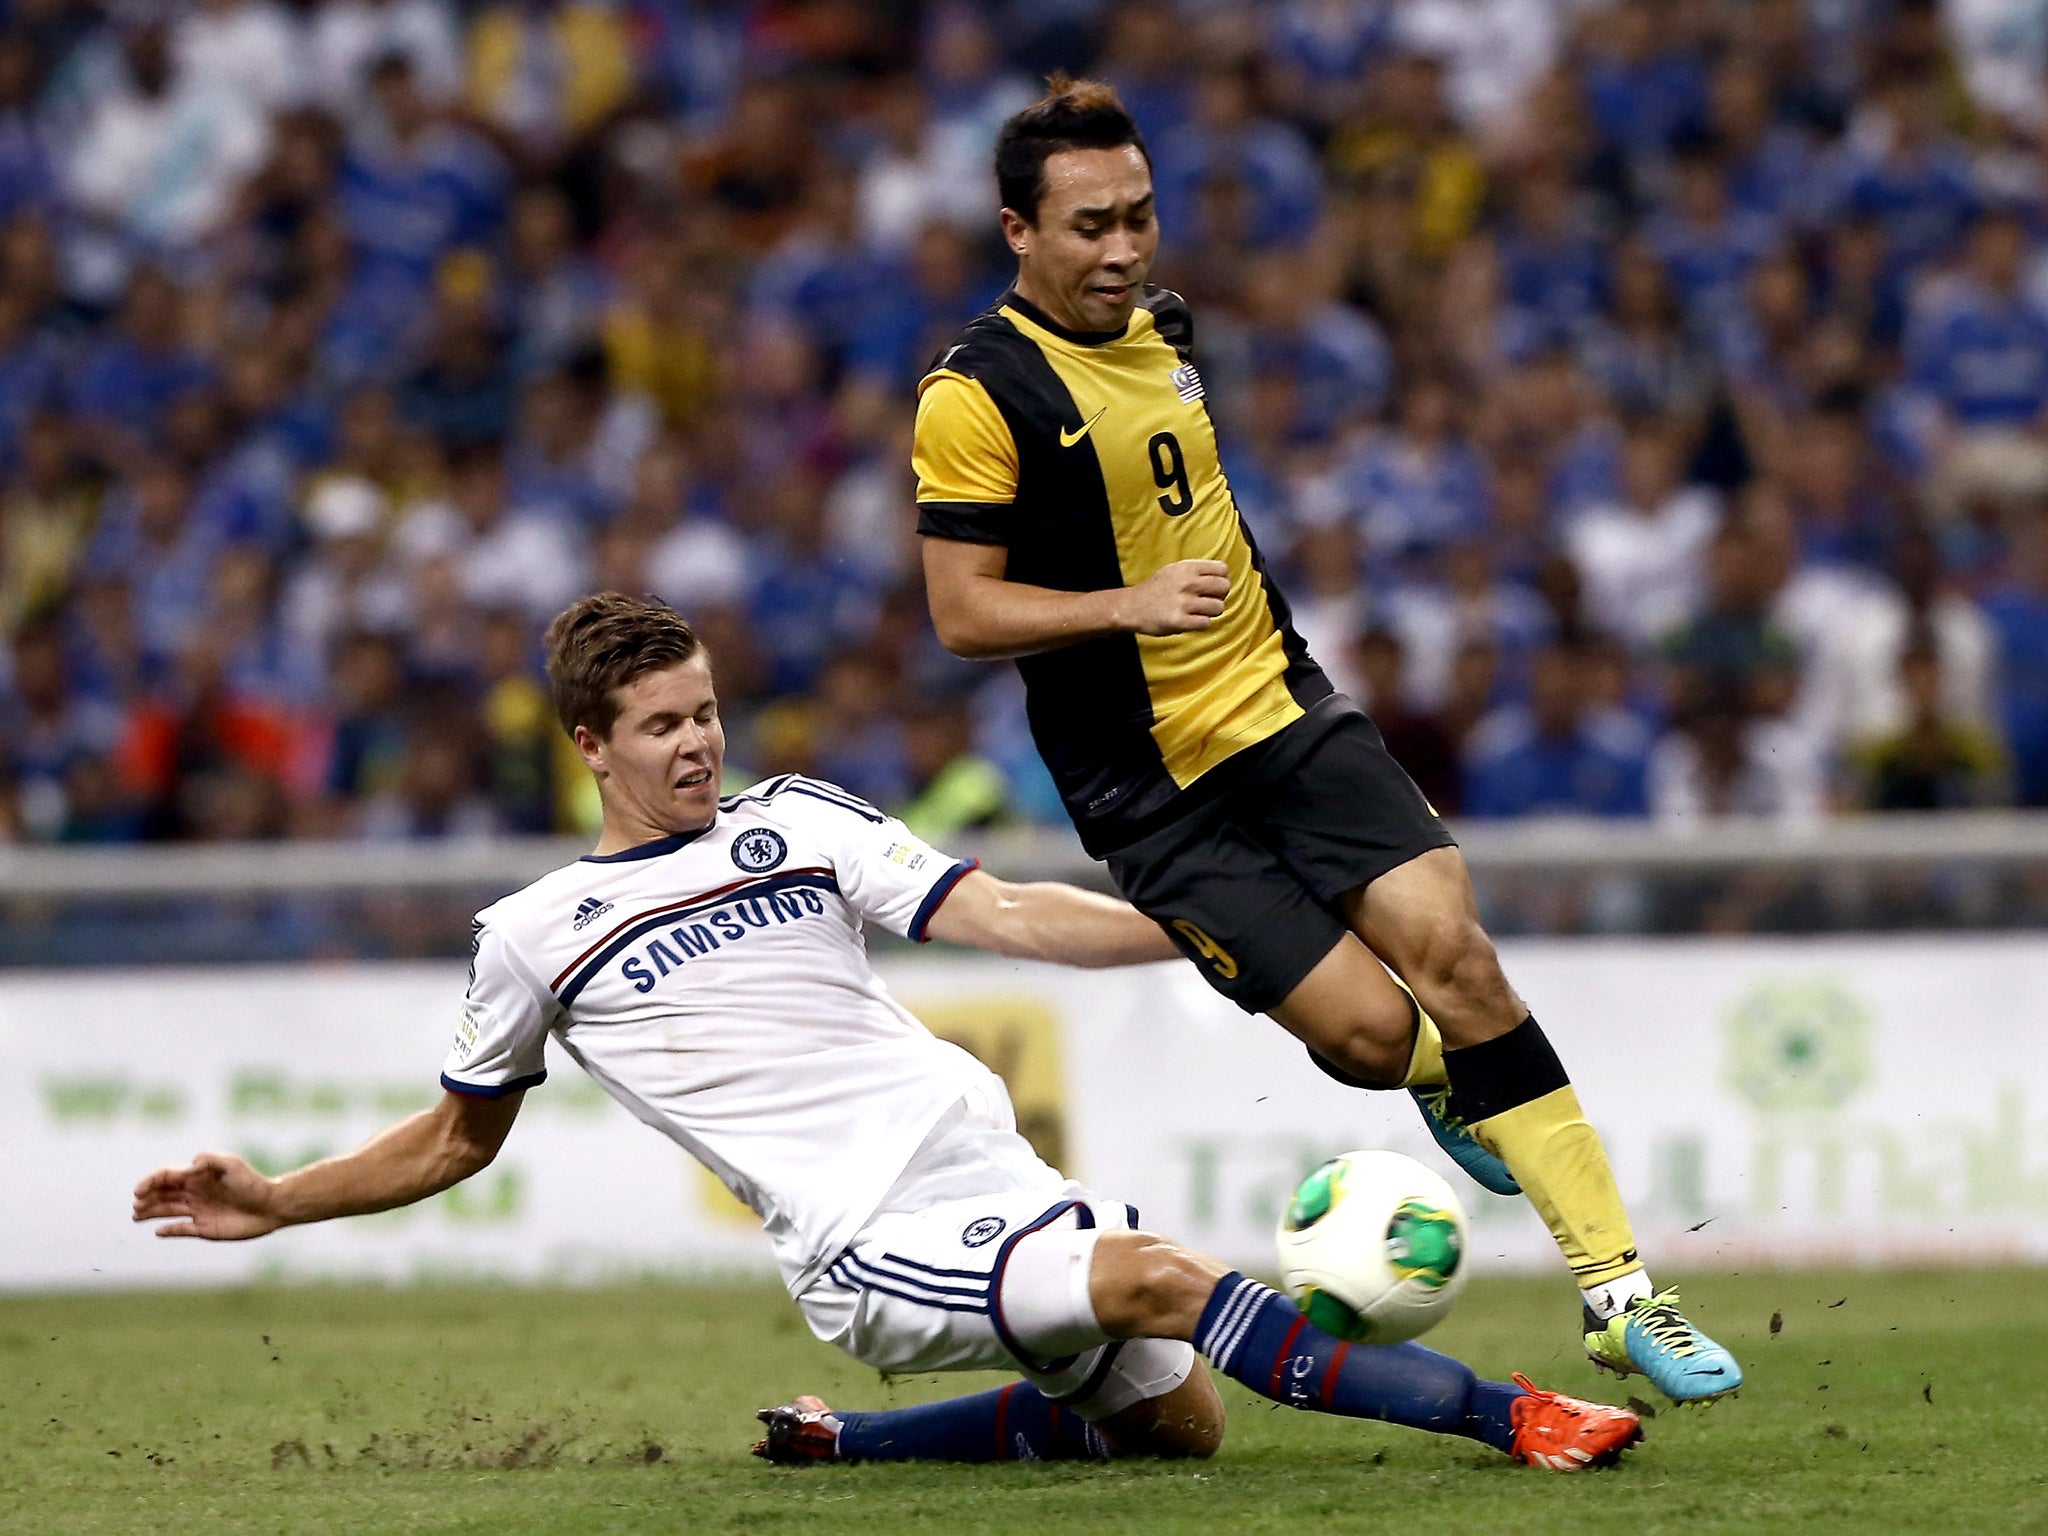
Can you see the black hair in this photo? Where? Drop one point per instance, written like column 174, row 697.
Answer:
column 1075, row 114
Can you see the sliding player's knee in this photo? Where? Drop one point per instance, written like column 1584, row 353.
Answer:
column 1186, row 1422
column 1144, row 1286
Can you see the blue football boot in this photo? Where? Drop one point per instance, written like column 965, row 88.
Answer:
column 1654, row 1339
column 1460, row 1145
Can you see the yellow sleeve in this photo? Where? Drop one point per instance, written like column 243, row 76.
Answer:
column 965, row 460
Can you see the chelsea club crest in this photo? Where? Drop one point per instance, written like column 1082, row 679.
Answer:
column 758, row 850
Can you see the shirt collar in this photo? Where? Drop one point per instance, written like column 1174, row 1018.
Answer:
column 653, row 850
column 1012, row 299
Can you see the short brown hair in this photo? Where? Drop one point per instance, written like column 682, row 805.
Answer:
column 1075, row 114
column 600, row 643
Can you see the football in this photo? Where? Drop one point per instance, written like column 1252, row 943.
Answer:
column 1372, row 1247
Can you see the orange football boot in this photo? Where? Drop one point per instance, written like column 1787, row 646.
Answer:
column 1564, row 1434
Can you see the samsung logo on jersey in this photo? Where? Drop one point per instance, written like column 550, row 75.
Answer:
column 726, row 925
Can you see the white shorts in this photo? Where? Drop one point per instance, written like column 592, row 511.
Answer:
column 993, row 1282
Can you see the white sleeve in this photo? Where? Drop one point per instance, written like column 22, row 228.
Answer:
column 888, row 875
column 500, row 1042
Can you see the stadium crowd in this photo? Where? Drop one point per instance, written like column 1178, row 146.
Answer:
column 1645, row 403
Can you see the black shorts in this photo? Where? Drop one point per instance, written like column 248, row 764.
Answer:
column 1248, row 881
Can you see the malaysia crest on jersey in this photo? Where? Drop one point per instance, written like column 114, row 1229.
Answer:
column 1187, row 383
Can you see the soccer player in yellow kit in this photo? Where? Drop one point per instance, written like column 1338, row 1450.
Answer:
column 1075, row 517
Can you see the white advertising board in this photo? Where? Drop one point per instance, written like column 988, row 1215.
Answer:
column 1764, row 1102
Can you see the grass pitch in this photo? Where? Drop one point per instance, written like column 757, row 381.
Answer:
column 1896, row 1402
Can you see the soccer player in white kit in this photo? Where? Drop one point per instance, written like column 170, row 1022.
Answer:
column 706, row 965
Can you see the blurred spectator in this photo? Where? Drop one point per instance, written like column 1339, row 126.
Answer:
column 1437, row 618
column 28, row 175
column 1542, row 759
column 464, row 390
column 1336, row 356
column 1553, row 266
column 1725, row 760
column 149, row 540
column 556, row 295
column 1977, row 353
column 249, row 50
column 127, row 382
column 860, row 742
column 343, row 583
column 1494, row 51
column 1640, row 556
column 1935, row 762
column 1418, row 741
column 1227, row 138
column 1921, row 604
column 2018, row 611
column 1641, row 354
column 413, row 185
column 1330, row 602
column 48, row 506
column 366, row 756
column 805, row 604
column 1417, row 486
column 1320, row 53
column 205, row 761
column 951, row 788
column 918, row 178
column 1732, row 652
column 1707, row 241
column 45, row 732
column 1914, row 180
column 519, row 726
column 508, row 555
column 348, row 37
column 1770, row 161
column 1643, row 85
column 696, row 562
column 546, row 75
column 437, row 797
column 163, row 151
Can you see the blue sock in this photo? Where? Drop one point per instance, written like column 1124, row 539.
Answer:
column 1013, row 1423
column 1259, row 1338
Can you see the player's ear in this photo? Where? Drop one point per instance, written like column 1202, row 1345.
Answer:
column 590, row 747
column 1015, row 228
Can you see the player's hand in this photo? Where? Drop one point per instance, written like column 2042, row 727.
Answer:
column 220, row 1197
column 1180, row 598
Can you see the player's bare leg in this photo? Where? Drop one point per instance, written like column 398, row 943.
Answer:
column 1508, row 1088
column 1354, row 1016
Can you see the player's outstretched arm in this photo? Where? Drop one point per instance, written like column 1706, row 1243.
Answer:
column 1048, row 921
column 220, row 1197
column 979, row 613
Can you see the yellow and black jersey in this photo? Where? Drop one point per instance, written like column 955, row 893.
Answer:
column 1091, row 458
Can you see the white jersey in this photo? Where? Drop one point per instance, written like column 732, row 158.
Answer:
column 717, row 984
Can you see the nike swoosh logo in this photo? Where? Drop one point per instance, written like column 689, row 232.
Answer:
column 1068, row 439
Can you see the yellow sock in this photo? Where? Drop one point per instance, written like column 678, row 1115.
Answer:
column 1562, row 1168
column 1426, row 1060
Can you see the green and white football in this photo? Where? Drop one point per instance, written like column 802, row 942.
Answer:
column 1372, row 1247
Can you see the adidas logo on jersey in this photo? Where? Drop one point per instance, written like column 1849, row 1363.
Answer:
column 1187, row 383
column 590, row 911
